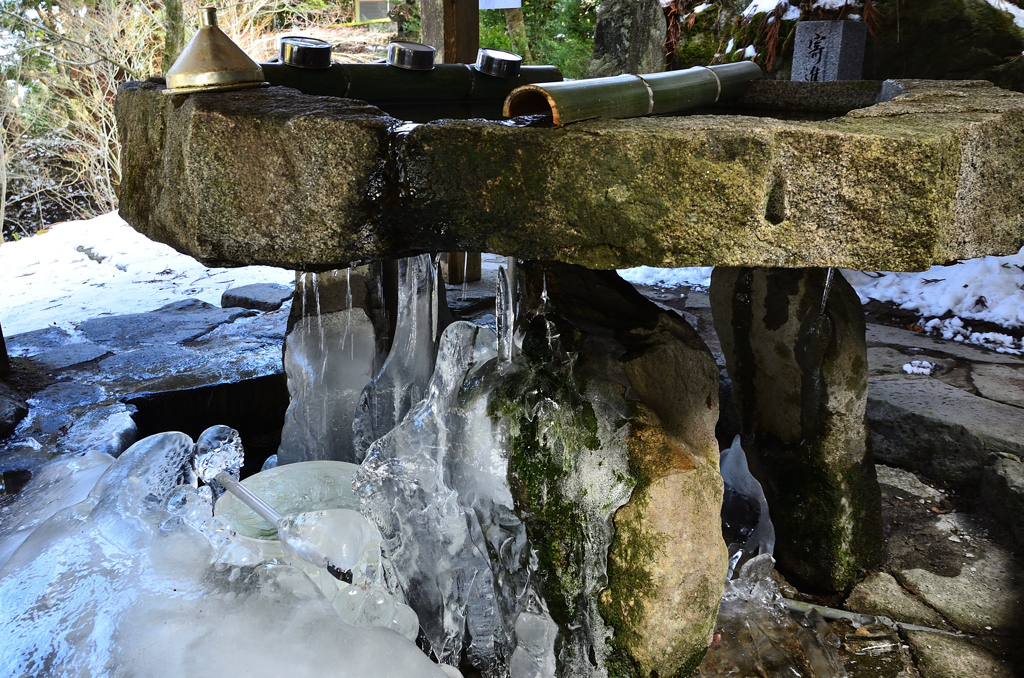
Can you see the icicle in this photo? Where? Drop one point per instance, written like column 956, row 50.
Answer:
column 828, row 288
column 505, row 314
column 465, row 274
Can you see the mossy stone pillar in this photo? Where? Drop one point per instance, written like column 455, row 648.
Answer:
column 798, row 362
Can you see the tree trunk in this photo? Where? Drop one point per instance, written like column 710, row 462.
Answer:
column 516, row 26
column 174, row 32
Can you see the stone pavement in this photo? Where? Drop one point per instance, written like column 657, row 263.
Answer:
column 117, row 378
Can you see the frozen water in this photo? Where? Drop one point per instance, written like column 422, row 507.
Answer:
column 403, row 379
column 124, row 584
column 342, row 536
column 291, row 489
column 736, row 474
column 427, row 532
column 329, row 359
column 53, row 487
column 534, row 656
column 218, row 449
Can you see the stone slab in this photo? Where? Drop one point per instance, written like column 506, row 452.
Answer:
column 942, row 656
column 258, row 296
column 174, row 323
column 881, row 594
column 883, row 335
column 1000, row 382
column 940, row 430
column 933, row 175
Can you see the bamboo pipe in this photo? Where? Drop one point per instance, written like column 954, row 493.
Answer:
column 380, row 83
column 632, row 96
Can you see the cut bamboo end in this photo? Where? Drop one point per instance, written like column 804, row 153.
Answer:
column 530, row 100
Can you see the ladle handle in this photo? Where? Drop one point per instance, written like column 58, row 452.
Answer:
column 247, row 497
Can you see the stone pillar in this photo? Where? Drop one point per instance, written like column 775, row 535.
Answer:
column 798, row 364
column 629, row 38
column 651, row 387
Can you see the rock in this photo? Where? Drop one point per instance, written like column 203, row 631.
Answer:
column 907, row 483
column 880, row 594
column 629, row 37
column 924, row 178
column 175, row 323
column 1002, row 492
column 939, row 430
column 258, row 296
column 984, row 597
column 942, row 656
column 54, row 348
column 999, row 382
column 978, row 42
column 800, row 387
column 650, row 387
column 12, row 411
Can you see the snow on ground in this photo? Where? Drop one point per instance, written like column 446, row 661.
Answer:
column 948, row 298
column 82, row 269
column 698, row 277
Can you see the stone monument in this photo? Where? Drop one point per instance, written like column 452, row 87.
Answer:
column 829, row 50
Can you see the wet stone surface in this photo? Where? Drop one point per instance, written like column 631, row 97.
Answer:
column 81, row 379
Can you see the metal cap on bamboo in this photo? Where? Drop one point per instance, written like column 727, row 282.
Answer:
column 411, row 56
column 498, row 63
column 212, row 62
column 302, row 52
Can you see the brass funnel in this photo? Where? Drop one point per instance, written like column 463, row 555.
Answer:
column 212, row 62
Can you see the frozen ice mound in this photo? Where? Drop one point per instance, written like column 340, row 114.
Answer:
column 136, row 580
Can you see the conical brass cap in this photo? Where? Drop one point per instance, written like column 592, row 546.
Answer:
column 212, row 62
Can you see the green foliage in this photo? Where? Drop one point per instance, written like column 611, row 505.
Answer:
column 560, row 32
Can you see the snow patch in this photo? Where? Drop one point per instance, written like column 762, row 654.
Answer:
column 82, row 269
column 697, row 277
column 919, row 367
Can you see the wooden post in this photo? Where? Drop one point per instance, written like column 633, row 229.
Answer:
column 5, row 363
column 453, row 27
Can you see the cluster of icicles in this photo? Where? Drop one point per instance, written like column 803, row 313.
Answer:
column 136, row 566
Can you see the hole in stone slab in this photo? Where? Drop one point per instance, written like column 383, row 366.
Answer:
column 254, row 407
column 775, row 207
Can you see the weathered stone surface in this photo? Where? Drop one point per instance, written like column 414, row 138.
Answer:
column 940, row 430
column 887, row 363
column 880, row 594
column 1002, row 492
column 175, row 323
column 882, row 335
column 931, row 176
column 629, row 37
column 800, row 387
column 258, row 296
column 942, row 656
column 999, row 382
column 667, row 559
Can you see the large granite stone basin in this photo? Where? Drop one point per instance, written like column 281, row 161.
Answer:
column 277, row 177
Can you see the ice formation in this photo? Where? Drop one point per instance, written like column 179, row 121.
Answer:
column 760, row 536
column 139, row 579
column 329, row 358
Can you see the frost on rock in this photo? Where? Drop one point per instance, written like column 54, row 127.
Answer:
column 329, row 360
column 403, row 378
column 132, row 581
